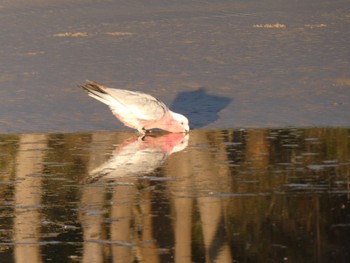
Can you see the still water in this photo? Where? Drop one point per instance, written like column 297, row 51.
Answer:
column 254, row 195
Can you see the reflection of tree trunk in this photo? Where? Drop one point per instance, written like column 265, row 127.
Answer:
column 257, row 161
column 214, row 231
column 183, row 229
column 121, row 216
column 28, row 197
column 178, row 167
column 257, row 149
column 215, row 178
column 92, row 200
column 148, row 248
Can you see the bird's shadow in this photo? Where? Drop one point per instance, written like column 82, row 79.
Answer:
column 199, row 107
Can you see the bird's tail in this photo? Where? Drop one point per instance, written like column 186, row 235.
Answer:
column 98, row 92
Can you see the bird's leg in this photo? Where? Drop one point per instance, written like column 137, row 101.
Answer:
column 142, row 131
column 141, row 137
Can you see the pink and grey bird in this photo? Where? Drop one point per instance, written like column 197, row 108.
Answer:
column 138, row 110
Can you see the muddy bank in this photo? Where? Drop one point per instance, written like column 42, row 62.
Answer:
column 225, row 65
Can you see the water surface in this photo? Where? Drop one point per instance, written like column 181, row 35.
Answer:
column 253, row 195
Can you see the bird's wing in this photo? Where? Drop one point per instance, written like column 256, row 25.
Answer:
column 143, row 106
column 124, row 102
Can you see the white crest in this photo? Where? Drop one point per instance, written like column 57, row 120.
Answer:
column 181, row 119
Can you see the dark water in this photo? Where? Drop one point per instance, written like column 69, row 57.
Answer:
column 256, row 195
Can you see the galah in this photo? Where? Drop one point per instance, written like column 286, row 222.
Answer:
column 138, row 110
column 138, row 156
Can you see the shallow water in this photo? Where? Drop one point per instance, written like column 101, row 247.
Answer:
column 255, row 195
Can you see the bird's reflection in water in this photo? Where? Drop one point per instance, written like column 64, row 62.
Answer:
column 134, row 158
column 138, row 156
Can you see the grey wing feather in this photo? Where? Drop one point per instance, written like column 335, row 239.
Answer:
column 142, row 105
column 123, row 102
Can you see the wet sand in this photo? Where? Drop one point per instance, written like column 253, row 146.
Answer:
column 226, row 64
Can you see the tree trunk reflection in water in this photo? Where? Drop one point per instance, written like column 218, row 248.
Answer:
column 92, row 203
column 121, row 219
column 210, row 179
column 214, row 178
column 179, row 167
column 28, row 197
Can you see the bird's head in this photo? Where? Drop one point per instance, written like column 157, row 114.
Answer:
column 181, row 123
